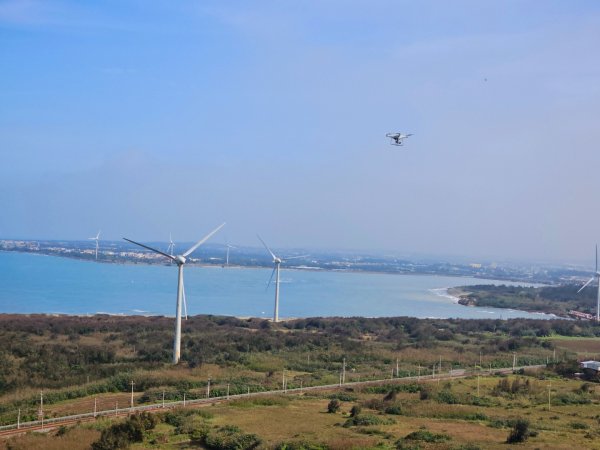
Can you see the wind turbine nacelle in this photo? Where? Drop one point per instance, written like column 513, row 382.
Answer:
column 180, row 259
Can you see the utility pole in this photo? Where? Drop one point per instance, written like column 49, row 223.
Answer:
column 95, row 405
column 480, row 359
column 283, row 381
column 248, row 390
column 549, row 388
column 163, row 401
column 116, row 408
column 19, row 419
column 227, row 390
column 344, row 371
column 397, row 369
column 132, row 383
column 433, row 372
column 514, row 361
column 42, row 408
column 208, row 388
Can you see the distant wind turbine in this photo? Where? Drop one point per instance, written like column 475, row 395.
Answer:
column 171, row 247
column 277, row 261
column 97, row 238
column 180, row 260
column 229, row 247
column 596, row 275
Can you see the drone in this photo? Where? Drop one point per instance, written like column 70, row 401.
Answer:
column 397, row 138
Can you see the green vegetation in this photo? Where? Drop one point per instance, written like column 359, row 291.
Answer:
column 76, row 359
column 241, row 355
column 301, row 421
column 519, row 433
column 557, row 300
column 333, row 406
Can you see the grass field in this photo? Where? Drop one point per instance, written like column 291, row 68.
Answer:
column 452, row 412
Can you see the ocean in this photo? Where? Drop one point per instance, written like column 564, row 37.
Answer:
column 31, row 283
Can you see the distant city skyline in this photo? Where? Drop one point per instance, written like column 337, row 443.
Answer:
column 149, row 119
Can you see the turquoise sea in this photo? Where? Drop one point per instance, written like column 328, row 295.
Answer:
column 31, row 283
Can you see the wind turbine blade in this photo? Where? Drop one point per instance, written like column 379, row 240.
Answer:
column 268, row 249
column 585, row 285
column 150, row 248
column 203, row 240
column 296, row 257
column 271, row 279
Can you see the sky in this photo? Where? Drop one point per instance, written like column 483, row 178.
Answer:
column 142, row 119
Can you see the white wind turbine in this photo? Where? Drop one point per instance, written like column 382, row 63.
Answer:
column 180, row 261
column 596, row 275
column 277, row 261
column 171, row 247
column 229, row 247
column 97, row 238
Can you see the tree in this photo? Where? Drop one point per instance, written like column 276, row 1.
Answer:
column 333, row 406
column 355, row 411
column 519, row 433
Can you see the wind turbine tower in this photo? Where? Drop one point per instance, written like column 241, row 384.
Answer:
column 180, row 260
column 97, row 238
column 594, row 277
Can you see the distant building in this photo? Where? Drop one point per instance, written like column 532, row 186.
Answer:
column 590, row 367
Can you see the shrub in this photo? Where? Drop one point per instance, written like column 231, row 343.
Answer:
column 355, row 411
column 426, row 392
column 300, row 445
column 333, row 406
column 519, row 433
column 367, row 420
column 230, row 437
column 579, row 425
column 394, row 409
column 122, row 434
column 390, row 396
column 427, row 436
column 447, row 397
column 343, row 396
column 374, row 403
column 570, row 398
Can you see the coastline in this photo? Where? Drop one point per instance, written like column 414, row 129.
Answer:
column 126, row 262
column 456, row 295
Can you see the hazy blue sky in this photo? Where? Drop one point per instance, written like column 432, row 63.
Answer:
column 148, row 117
